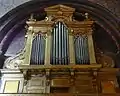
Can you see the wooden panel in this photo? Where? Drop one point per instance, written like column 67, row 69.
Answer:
column 60, row 83
column 11, row 86
column 84, row 89
column 37, row 85
column 108, row 87
column 84, row 77
column 82, row 82
column 36, row 91
column 38, row 82
column 59, row 90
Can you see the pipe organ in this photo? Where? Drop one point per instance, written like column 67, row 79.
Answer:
column 58, row 57
column 65, row 33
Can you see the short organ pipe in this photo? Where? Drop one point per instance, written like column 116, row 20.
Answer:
column 81, row 50
column 38, row 50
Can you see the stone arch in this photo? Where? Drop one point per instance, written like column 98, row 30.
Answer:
column 13, row 20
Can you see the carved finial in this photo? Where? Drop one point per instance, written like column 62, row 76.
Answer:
column 32, row 17
column 30, row 28
column 46, row 18
column 86, row 15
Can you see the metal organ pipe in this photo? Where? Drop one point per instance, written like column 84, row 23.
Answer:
column 37, row 45
column 56, row 44
column 81, row 50
column 60, row 44
column 38, row 50
column 67, row 49
column 84, row 49
column 64, row 45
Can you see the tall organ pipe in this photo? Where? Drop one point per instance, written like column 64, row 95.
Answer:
column 84, row 49
column 60, row 44
column 38, row 49
column 67, row 49
column 56, row 44
column 65, row 45
column 54, row 55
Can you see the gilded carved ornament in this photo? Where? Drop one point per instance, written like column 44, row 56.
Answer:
column 61, row 13
column 15, row 61
column 106, row 61
column 80, row 31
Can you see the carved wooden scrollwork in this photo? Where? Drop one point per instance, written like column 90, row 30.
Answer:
column 15, row 61
column 106, row 61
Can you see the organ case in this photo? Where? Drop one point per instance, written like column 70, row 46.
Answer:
column 59, row 55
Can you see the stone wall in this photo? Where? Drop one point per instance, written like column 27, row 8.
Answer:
column 7, row 5
column 112, row 5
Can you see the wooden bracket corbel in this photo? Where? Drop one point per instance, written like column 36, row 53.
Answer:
column 94, row 80
column 72, row 73
column 25, row 74
column 47, row 77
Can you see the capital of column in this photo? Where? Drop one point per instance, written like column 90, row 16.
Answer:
column 78, row 31
column 42, row 30
column 90, row 31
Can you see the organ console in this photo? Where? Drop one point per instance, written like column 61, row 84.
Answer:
column 59, row 57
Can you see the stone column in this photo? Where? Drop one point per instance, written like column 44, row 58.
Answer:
column 28, row 47
column 91, row 48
